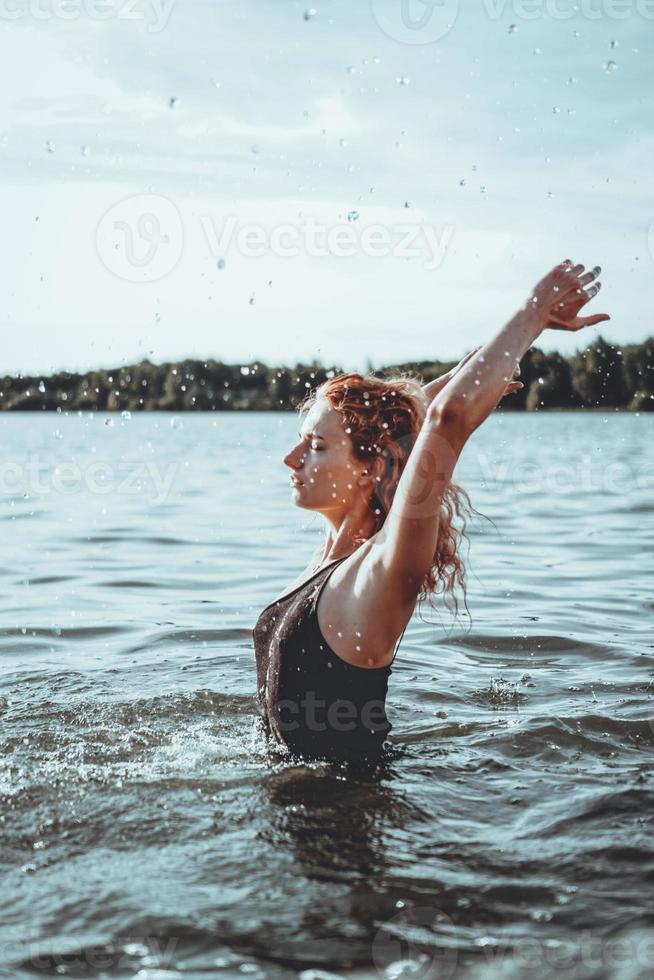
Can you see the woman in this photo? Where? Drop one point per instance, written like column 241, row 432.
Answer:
column 375, row 457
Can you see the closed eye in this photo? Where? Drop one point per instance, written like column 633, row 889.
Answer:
column 315, row 445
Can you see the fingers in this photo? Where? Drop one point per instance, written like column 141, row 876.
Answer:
column 573, row 301
column 589, row 276
column 514, row 386
column 593, row 291
column 590, row 321
column 564, row 291
column 577, row 323
column 572, row 272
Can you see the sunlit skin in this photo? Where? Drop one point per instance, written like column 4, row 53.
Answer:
column 332, row 481
column 371, row 595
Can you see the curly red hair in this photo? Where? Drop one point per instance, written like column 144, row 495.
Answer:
column 383, row 416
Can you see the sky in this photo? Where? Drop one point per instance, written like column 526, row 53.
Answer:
column 361, row 182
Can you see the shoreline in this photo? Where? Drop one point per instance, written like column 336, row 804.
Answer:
column 603, row 377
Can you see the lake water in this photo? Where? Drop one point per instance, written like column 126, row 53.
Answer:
column 146, row 831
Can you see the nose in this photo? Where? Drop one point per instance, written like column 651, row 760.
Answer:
column 295, row 458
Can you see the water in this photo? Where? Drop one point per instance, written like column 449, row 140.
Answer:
column 144, row 830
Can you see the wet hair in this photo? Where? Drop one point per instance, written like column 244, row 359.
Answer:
column 383, row 416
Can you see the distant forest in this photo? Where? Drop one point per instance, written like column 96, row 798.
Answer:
column 603, row 376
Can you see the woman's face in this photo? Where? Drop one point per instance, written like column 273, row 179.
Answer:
column 324, row 472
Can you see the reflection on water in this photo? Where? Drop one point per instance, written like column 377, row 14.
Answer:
column 144, row 825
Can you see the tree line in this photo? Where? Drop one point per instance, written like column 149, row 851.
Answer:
column 602, row 376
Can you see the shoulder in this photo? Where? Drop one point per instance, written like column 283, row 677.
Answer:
column 360, row 608
column 372, row 582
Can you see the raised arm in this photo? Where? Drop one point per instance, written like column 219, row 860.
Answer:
column 407, row 540
column 432, row 388
column 555, row 302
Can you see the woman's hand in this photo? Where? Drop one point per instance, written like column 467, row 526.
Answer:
column 558, row 298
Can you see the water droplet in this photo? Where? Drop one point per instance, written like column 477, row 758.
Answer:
column 615, row 44
column 251, row 300
column 245, row 370
column 352, row 215
column 610, row 66
column 58, row 434
column 462, row 182
column 220, row 264
column 41, row 386
column 572, row 80
column 513, row 28
column 538, row 50
column 126, row 415
column 556, row 110
column 109, row 423
column 85, row 150
column 309, row 13
column 176, row 422
column 50, row 146
column 172, row 101
column 403, row 80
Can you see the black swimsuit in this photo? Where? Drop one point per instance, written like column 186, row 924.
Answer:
column 309, row 698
